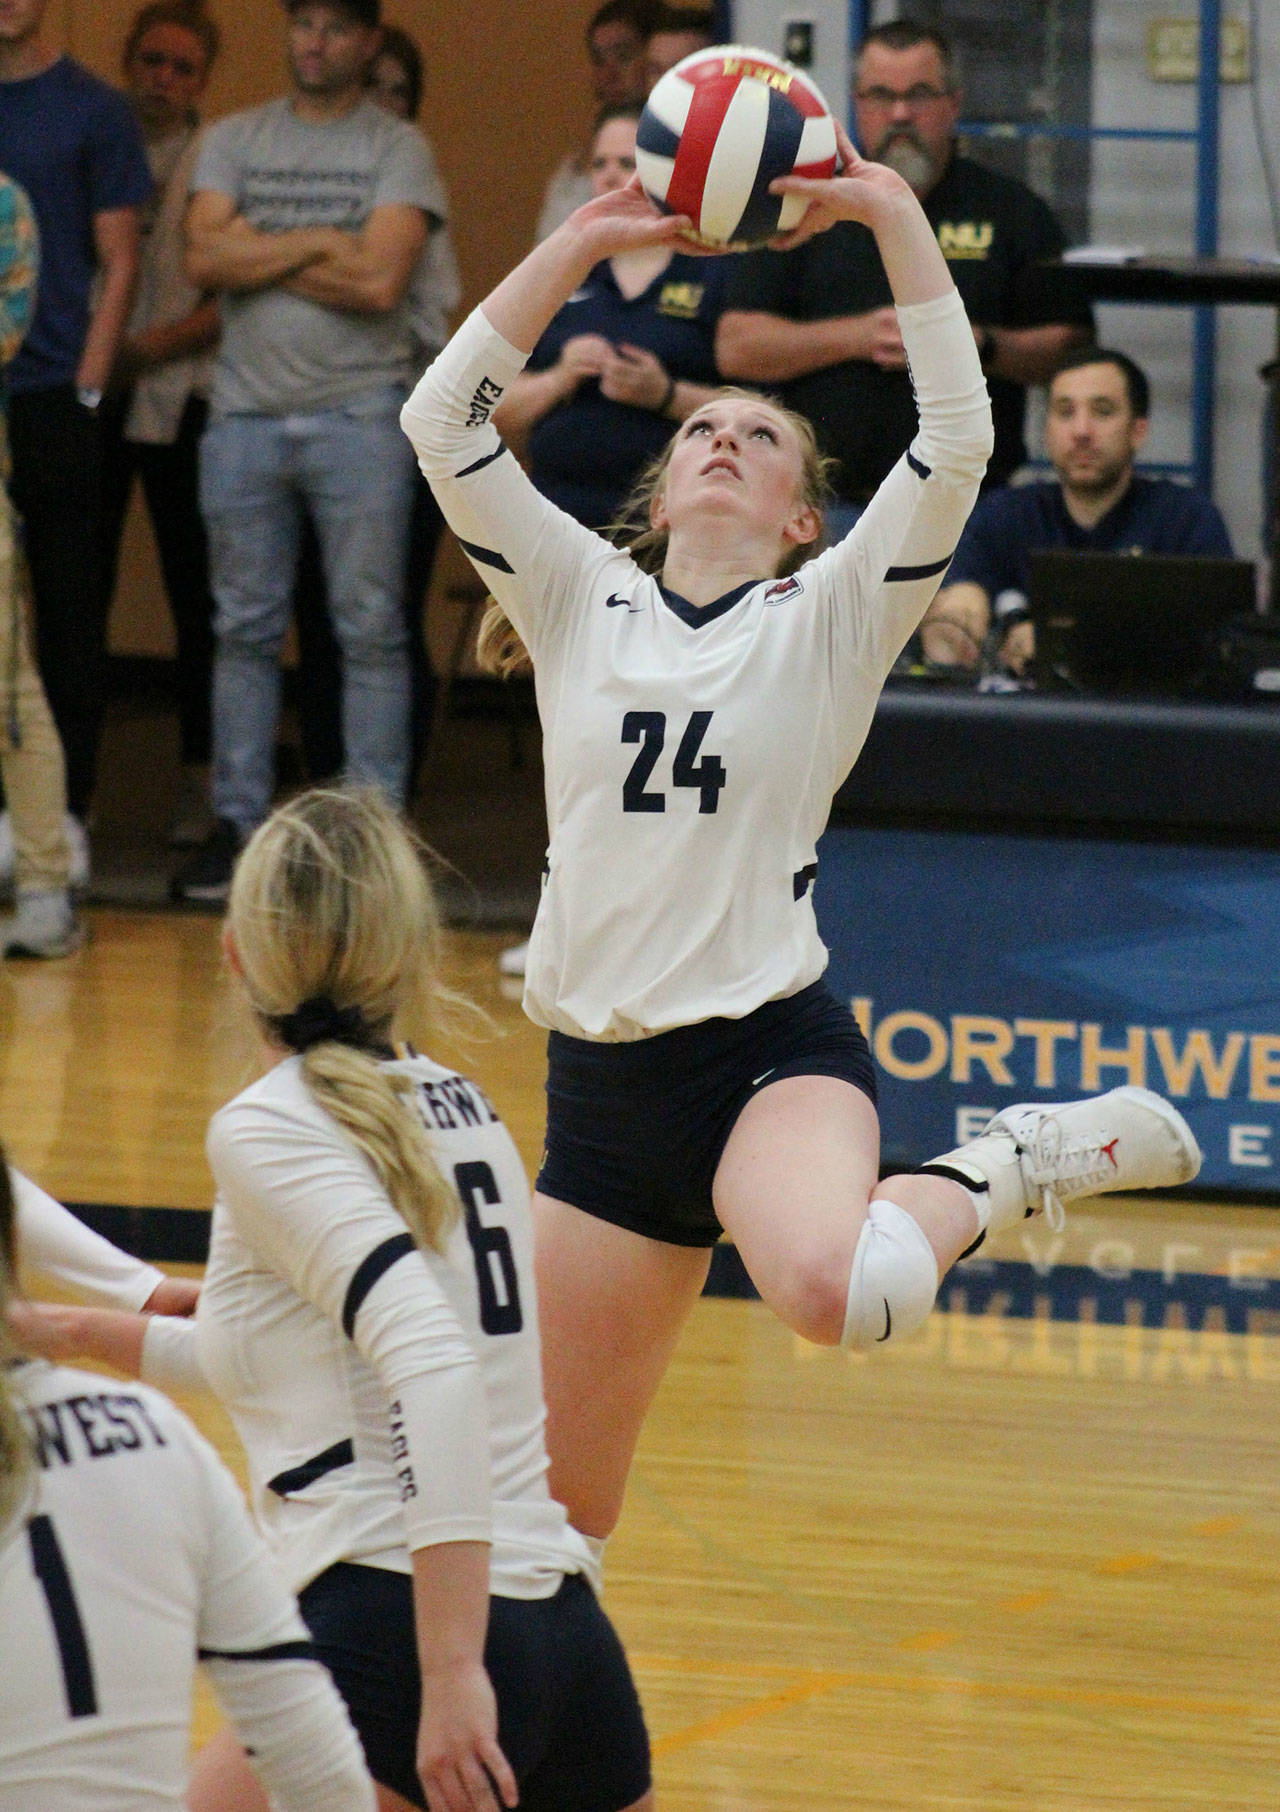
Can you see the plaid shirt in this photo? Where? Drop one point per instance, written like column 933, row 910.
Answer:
column 19, row 261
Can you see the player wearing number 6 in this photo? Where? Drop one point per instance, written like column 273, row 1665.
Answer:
column 369, row 1318
column 703, row 694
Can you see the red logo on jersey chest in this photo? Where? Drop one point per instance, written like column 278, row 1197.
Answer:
column 785, row 588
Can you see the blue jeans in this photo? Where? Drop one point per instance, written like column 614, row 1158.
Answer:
column 353, row 469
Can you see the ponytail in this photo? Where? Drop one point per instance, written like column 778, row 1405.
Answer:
column 374, row 1107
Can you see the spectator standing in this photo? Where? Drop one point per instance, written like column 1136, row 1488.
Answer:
column 817, row 324
column 309, row 215
column 616, row 39
column 1096, row 424
column 396, row 80
column 74, row 146
column 158, row 404
column 31, row 765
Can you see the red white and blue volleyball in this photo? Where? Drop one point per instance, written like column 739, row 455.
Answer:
column 718, row 128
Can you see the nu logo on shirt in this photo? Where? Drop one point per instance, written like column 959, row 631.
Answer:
column 966, row 238
column 681, row 299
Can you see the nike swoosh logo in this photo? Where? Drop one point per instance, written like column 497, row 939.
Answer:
column 757, row 1080
column 616, row 602
column 888, row 1322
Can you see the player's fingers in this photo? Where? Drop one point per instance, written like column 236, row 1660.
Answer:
column 847, row 150
column 501, row 1771
column 476, row 1785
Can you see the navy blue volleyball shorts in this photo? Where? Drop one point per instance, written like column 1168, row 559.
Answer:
column 569, row 1719
column 635, row 1131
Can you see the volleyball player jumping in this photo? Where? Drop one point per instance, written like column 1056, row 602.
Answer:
column 702, row 696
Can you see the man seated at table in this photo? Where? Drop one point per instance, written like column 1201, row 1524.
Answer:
column 1097, row 420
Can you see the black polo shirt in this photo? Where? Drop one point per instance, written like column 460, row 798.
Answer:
column 993, row 232
column 587, row 452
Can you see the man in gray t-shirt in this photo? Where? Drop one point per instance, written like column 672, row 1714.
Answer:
column 309, row 215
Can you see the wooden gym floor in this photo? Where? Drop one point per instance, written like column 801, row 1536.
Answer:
column 1030, row 1561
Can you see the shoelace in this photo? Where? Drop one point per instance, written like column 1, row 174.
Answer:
column 1048, row 1162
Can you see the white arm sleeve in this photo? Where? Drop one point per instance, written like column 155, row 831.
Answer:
column 251, row 1638
column 898, row 552
column 52, row 1239
column 311, row 1207
column 539, row 563
column 171, row 1355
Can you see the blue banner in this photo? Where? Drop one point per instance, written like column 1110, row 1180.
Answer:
column 993, row 969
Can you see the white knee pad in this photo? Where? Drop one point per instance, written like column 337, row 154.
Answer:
column 893, row 1281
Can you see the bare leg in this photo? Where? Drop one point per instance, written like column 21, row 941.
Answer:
column 792, row 1190
column 611, row 1307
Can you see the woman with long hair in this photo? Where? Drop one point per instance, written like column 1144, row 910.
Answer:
column 125, row 1548
column 700, row 706
column 369, row 1319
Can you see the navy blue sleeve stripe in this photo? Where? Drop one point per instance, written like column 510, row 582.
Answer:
column 485, row 555
column 369, row 1270
column 919, row 572
column 297, row 1478
column 278, row 1651
column 480, row 464
column 918, row 466
column 802, row 880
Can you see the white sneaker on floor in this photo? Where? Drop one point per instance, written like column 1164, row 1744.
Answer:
column 1041, row 1157
column 512, row 961
column 44, row 925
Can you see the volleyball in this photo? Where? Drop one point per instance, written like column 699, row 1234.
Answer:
column 718, row 128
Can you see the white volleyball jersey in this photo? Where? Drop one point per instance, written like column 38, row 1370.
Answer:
column 692, row 755
column 386, row 1399
column 133, row 1552
column 51, row 1238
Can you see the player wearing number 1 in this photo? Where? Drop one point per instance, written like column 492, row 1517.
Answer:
column 125, row 1549
column 702, row 694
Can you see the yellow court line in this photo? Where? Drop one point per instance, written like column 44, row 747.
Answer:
column 725, row 1721
column 815, row 1685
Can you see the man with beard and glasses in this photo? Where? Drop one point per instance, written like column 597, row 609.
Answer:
column 1097, row 421
column 817, row 326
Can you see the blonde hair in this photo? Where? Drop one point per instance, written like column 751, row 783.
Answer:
column 336, row 936
column 17, row 1462
column 498, row 645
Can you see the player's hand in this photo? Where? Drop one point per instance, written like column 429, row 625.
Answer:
column 624, row 220
column 862, row 191
column 634, row 376
column 459, row 1761
column 173, row 1296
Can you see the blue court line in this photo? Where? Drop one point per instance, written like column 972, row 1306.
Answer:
column 1007, row 1288
column 1014, row 1289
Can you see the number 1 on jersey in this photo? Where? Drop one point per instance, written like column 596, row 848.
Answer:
column 649, row 729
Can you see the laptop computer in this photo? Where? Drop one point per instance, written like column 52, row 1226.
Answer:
column 1133, row 625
